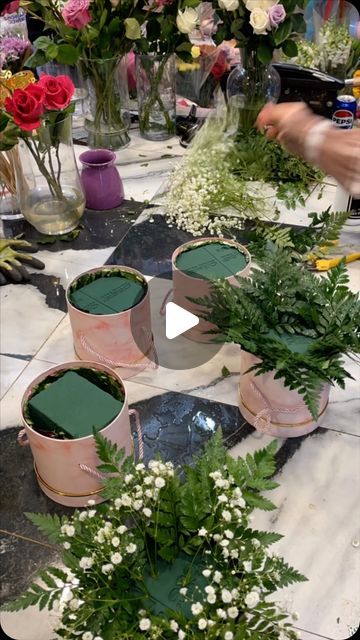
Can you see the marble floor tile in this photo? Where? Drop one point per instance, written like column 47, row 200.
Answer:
column 319, row 513
column 29, row 624
column 10, row 369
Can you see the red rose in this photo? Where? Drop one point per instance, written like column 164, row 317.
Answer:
column 10, row 7
column 26, row 106
column 76, row 13
column 58, row 91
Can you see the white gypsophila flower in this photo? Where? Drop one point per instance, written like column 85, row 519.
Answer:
column 181, row 634
column 209, row 589
column 87, row 636
column 226, row 515
column 196, row 608
column 226, row 596
column 126, row 500
column 202, row 624
column 215, row 474
column 66, row 545
column 229, row 5
column 216, row 537
column 131, row 548
column 221, row 614
column 235, row 593
column 92, row 513
column 202, row 531
column 128, row 478
column 116, row 558
column 225, row 552
column 74, row 604
column 83, row 515
column 222, row 483
column 217, row 576
column 228, row 635
column 295, row 615
column 137, row 504
column 147, row 512
column 174, row 626
column 98, row 638
column 140, row 466
column 252, row 599
column 148, row 480
column 222, row 498
column 233, row 612
column 255, row 542
column 118, row 503
column 159, row 483
column 211, row 598
column 66, row 595
column 107, row 568
column 247, row 565
column 145, row 624
column 183, row 591
column 149, row 493
column 115, row 541
column 224, row 543
column 234, row 554
column 91, row 502
column 122, row 529
column 229, row 534
column 206, row 573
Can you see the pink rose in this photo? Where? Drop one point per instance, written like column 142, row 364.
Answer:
column 58, row 91
column 10, row 7
column 276, row 15
column 76, row 13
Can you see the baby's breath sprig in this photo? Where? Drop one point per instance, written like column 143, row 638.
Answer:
column 169, row 555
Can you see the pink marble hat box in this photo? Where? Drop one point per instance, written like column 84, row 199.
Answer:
column 121, row 340
column 186, row 286
column 66, row 469
column 273, row 408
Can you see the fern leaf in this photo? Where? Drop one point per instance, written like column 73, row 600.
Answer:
column 48, row 524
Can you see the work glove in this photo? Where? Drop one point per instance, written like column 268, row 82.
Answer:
column 12, row 257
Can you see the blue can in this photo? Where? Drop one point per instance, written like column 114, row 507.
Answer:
column 344, row 112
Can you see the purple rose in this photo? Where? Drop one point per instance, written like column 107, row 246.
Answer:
column 276, row 14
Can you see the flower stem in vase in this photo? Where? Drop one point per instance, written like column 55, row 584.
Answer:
column 156, row 95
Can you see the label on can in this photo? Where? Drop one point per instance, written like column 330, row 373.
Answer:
column 343, row 118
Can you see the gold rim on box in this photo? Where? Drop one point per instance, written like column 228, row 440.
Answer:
column 64, row 493
column 283, row 424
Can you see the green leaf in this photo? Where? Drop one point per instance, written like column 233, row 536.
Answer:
column 184, row 46
column 42, row 43
column 290, row 49
column 51, row 51
column 298, row 23
column 225, row 372
column 67, row 54
column 132, row 29
column 47, row 524
column 264, row 53
column 102, row 19
column 283, row 31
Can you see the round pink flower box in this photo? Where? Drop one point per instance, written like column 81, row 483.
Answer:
column 66, row 469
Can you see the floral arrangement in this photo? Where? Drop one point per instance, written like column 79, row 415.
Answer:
column 24, row 113
column 260, row 25
column 204, row 194
column 13, row 53
column 171, row 554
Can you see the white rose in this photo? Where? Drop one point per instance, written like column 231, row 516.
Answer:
column 229, row 5
column 260, row 4
column 259, row 21
column 187, row 20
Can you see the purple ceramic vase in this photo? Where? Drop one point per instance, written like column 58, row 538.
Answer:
column 100, row 179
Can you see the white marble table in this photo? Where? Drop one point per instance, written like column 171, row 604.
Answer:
column 318, row 505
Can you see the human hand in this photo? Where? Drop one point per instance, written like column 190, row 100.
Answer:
column 273, row 119
column 11, row 259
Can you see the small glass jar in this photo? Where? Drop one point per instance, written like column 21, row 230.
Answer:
column 155, row 81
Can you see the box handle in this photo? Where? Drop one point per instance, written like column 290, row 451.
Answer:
column 165, row 301
column 22, row 438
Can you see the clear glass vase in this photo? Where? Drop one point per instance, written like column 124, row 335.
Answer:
column 108, row 118
column 155, row 80
column 48, row 184
column 9, row 204
column 250, row 86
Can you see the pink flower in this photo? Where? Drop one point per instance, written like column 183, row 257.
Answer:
column 10, row 7
column 276, row 14
column 76, row 13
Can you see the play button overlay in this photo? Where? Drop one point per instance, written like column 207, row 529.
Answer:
column 178, row 320
column 169, row 321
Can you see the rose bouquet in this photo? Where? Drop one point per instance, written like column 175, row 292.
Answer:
column 38, row 119
column 171, row 555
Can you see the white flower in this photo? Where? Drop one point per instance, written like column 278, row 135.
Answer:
column 181, row 634
column 145, row 624
column 92, row 513
column 260, row 22
column 68, row 530
column 159, row 483
column 221, row 483
column 86, row 562
column 252, row 599
column 235, row 593
column 91, row 503
column 196, row 608
column 116, row 558
column 222, row 498
column 211, row 598
column 74, row 604
column 206, row 573
column 217, row 576
column 107, row 568
column 295, row 615
column 202, row 531
column 118, row 503
column 226, row 595
column 147, row 512
column 126, row 500
column 224, row 543
column 234, row 554
column 183, row 591
column 115, row 541
column 221, row 614
column 229, row 5
column 131, row 548
column 149, row 493
column 233, row 612
column 66, row 595
column 255, row 543
column 209, row 589
column 140, row 466
column 174, row 625
column 202, row 624
column 83, row 515
column 66, row 545
column 128, row 478
column 187, row 20
column 228, row 635
column 137, row 504
column 87, row 635
column 217, row 537
column 260, row 4
column 226, row 515
column 98, row 638
column 229, row 534
column 121, row 529
column 148, row 480
column 247, row 565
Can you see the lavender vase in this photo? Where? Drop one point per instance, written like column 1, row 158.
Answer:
column 100, row 179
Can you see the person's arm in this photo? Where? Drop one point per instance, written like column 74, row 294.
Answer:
column 335, row 151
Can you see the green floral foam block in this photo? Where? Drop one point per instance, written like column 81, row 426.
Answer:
column 211, row 261
column 108, row 295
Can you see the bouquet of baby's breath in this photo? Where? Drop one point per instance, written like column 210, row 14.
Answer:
column 205, row 196
column 171, row 555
